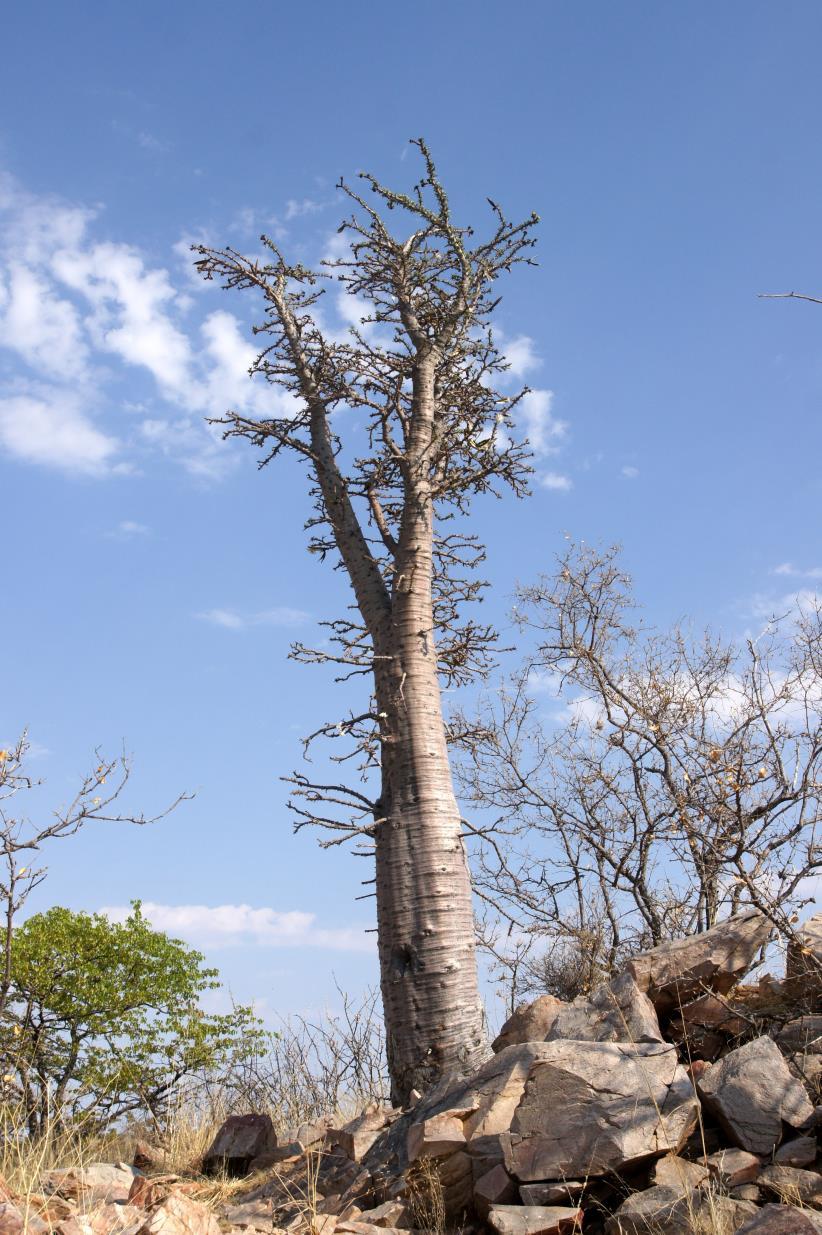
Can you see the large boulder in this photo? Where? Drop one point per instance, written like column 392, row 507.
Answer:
column 616, row 1011
column 590, row 1108
column 240, row 1140
column 676, row 972
column 751, row 1092
column 531, row 1022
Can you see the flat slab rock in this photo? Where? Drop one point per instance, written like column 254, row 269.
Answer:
column 534, row 1219
column 675, row 973
column 589, row 1108
column 751, row 1092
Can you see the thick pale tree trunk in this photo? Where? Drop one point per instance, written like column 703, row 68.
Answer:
column 433, row 1011
column 428, row 972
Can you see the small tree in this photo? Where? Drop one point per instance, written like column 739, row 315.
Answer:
column 23, row 837
column 398, row 428
column 103, row 1019
column 683, row 786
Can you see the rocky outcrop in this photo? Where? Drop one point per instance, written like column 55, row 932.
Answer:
column 675, row 973
column 606, row 1120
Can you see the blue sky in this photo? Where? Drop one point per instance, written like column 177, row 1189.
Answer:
column 153, row 579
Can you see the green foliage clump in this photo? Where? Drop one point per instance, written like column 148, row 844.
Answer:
column 104, row 1019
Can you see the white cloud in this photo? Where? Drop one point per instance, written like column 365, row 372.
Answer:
column 542, row 429
column 127, row 528
column 296, row 209
column 42, row 328
column 629, row 471
column 51, row 429
column 149, row 142
column 556, row 481
column 520, row 355
column 230, row 619
column 234, row 925
column 788, row 568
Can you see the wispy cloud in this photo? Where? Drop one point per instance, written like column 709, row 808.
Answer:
column 126, row 529
column 629, row 471
column 295, row 209
column 556, row 481
column 543, row 430
column 797, row 572
column 231, row 619
column 242, row 925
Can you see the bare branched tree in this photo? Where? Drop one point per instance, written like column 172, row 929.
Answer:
column 681, row 785
column 23, row 838
column 399, row 427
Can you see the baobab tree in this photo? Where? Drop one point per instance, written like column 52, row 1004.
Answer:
column 399, row 426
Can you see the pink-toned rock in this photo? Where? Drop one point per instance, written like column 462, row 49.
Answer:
column 534, row 1219
column 395, row 1214
column 799, row 1152
column 180, row 1215
column 665, row 1212
column 560, row 1192
column 435, row 1137
column 590, row 1108
column 90, row 1185
column 357, row 1136
column 114, row 1219
column 616, row 1011
column 678, row 1174
column 732, row 1167
column 147, row 1193
column 149, row 1157
column 16, row 1220
column 751, row 1092
column 495, row 1187
column 804, row 962
column 531, row 1022
column 792, row 1185
column 704, row 1025
column 240, row 1139
column 782, row 1220
column 674, row 973
column 256, row 1215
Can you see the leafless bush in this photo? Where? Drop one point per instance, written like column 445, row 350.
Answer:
column 678, row 781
